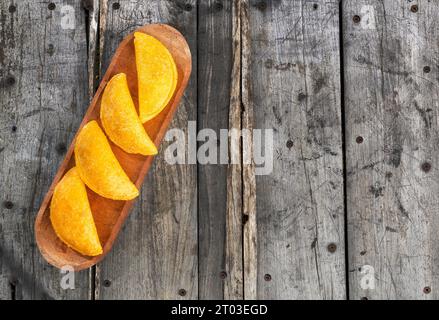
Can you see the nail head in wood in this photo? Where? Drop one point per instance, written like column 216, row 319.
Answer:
column 332, row 247
column 315, row 6
column 87, row 5
column 427, row 69
column 290, row 144
column 61, row 148
column 50, row 49
column 14, row 128
column 267, row 277
column 8, row 204
column 359, row 139
column 51, row 6
column 356, row 18
column 414, row 8
column 426, row 166
column 188, row 7
column 116, row 6
column 261, row 5
column 427, row 290
column 218, row 6
column 182, row 292
column 223, row 275
column 107, row 283
column 10, row 80
column 364, row 298
column 12, row 8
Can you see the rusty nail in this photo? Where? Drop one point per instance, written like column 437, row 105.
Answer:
column 116, row 6
column 12, row 8
column 332, row 247
column 182, row 292
column 223, row 275
column 414, row 8
column 51, row 6
column 267, row 277
column 290, row 144
column 426, row 167
column 359, row 139
column 356, row 18
column 427, row 69
column 8, row 204
column 427, row 290
column 107, row 283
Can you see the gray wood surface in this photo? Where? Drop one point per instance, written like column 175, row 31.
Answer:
column 214, row 89
column 44, row 94
column 295, row 91
column 391, row 101
column 156, row 255
column 316, row 72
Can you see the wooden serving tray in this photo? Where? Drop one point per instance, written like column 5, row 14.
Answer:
column 110, row 214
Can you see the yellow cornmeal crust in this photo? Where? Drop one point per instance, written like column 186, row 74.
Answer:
column 120, row 120
column 99, row 168
column 156, row 74
column 71, row 216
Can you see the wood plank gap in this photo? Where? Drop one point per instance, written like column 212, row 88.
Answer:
column 197, row 4
column 91, row 8
column 343, row 146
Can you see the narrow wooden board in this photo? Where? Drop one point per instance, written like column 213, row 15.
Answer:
column 40, row 111
column 294, row 89
column 155, row 256
column 214, row 75
column 249, row 214
column 391, row 101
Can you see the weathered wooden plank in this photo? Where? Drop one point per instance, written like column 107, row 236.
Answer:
column 234, row 218
column 391, row 101
column 219, row 243
column 43, row 51
column 250, row 260
column 294, row 89
column 156, row 254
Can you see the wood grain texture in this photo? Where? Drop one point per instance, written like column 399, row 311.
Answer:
column 391, row 102
column 214, row 89
column 294, row 90
column 234, row 241
column 155, row 256
column 250, row 232
column 40, row 59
